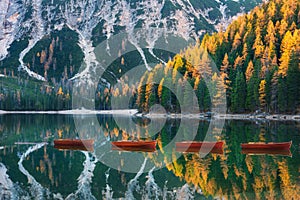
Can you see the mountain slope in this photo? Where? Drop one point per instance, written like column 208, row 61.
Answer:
column 25, row 25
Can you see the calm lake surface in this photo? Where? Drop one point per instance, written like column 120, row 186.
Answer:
column 31, row 168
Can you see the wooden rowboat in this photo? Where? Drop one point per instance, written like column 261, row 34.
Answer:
column 137, row 144
column 284, row 152
column 199, row 145
column 74, row 144
column 271, row 145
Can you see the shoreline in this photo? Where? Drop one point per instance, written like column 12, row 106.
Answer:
column 134, row 112
column 274, row 117
column 128, row 112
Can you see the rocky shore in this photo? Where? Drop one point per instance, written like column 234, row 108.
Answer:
column 134, row 112
column 224, row 116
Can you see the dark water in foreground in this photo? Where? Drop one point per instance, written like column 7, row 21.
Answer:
column 36, row 170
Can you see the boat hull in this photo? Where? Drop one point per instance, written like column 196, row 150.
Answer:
column 199, row 145
column 134, row 144
column 278, row 146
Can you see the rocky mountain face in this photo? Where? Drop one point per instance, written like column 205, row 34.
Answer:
column 49, row 38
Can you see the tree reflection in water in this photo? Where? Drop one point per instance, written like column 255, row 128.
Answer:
column 44, row 171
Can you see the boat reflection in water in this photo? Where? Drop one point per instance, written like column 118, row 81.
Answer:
column 135, row 144
column 199, row 150
column 205, row 145
column 284, row 152
column 133, row 149
column 74, row 148
column 269, row 146
column 200, row 147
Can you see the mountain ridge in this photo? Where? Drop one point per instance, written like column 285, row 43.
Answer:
column 94, row 21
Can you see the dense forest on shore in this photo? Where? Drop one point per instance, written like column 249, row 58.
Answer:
column 258, row 59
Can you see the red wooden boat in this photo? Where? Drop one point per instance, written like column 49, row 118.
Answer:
column 199, row 145
column 199, row 150
column 284, row 152
column 271, row 145
column 88, row 144
column 131, row 143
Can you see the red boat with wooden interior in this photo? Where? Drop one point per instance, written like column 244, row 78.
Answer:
column 270, row 145
column 193, row 145
column 134, row 144
column 74, row 144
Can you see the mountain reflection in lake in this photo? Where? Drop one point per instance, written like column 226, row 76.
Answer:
column 30, row 167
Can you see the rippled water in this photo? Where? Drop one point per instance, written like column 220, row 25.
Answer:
column 30, row 167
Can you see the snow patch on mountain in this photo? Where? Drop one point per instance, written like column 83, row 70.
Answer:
column 11, row 15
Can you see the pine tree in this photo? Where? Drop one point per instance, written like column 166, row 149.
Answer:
column 258, row 45
column 287, row 46
column 252, row 93
column 219, row 94
column 268, row 90
column 150, row 92
column 224, row 75
column 160, row 88
column 282, row 27
column 236, row 41
column 205, row 65
column 142, row 93
column 282, row 97
column 249, row 71
column 188, row 101
column 239, row 93
column 270, row 40
column 60, row 92
column 166, row 94
column 274, row 92
column 238, row 62
column 245, row 53
column 262, row 94
column 203, row 96
column 179, row 94
column 293, row 83
column 271, row 11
